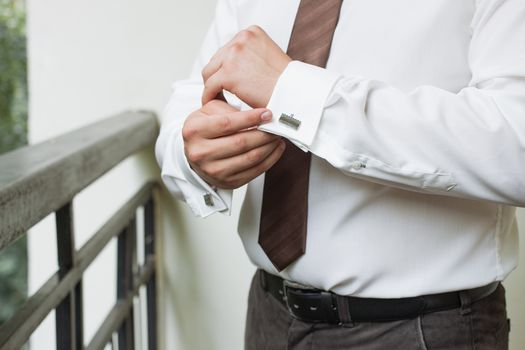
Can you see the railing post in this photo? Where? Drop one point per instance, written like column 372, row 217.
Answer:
column 126, row 263
column 79, row 316
column 151, row 289
column 69, row 326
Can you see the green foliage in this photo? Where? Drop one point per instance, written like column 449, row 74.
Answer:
column 13, row 76
column 13, row 278
column 13, row 134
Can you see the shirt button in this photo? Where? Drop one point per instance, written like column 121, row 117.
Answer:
column 357, row 165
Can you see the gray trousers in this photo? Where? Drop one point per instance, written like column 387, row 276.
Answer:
column 482, row 325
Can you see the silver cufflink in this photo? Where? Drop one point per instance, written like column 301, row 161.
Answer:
column 290, row 121
column 208, row 199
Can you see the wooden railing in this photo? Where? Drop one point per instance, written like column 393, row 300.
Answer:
column 38, row 180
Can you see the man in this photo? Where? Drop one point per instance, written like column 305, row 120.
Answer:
column 386, row 220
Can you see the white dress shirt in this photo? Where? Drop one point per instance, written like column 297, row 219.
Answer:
column 417, row 130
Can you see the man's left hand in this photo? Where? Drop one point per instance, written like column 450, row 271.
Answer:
column 248, row 66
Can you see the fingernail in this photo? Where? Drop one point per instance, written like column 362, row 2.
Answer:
column 266, row 116
column 282, row 145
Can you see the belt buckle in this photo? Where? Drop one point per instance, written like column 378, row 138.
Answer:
column 289, row 284
column 325, row 303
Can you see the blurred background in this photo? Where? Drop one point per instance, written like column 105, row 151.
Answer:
column 65, row 64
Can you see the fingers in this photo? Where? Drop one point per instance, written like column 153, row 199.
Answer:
column 222, row 169
column 223, row 146
column 227, row 124
column 248, row 175
column 214, row 64
column 234, row 172
column 218, row 106
column 213, row 87
column 242, row 142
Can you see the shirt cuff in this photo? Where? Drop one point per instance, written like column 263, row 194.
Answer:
column 298, row 101
column 198, row 194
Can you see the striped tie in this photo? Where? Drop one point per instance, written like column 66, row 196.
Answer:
column 282, row 231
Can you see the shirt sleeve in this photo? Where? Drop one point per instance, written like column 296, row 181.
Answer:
column 182, row 182
column 469, row 144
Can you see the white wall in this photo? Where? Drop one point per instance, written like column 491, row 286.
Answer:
column 89, row 59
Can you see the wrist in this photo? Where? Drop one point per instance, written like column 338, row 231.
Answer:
column 279, row 70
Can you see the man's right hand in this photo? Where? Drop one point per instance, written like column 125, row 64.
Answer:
column 224, row 147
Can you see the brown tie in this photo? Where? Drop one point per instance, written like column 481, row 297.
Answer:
column 282, row 232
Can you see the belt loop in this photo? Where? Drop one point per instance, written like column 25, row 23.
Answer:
column 466, row 302
column 343, row 311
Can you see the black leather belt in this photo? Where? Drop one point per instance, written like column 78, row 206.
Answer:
column 314, row 305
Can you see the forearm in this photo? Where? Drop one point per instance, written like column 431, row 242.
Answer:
column 468, row 144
